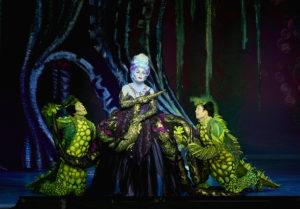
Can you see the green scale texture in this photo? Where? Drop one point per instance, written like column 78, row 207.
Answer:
column 222, row 166
column 68, row 180
column 80, row 144
column 65, row 179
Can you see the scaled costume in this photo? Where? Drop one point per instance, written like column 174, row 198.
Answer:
column 221, row 153
column 73, row 137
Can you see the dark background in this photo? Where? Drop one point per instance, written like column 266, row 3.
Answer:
column 271, row 132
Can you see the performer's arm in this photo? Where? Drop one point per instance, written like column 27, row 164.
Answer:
column 214, row 146
column 125, row 102
column 152, row 110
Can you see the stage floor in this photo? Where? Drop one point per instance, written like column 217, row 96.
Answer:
column 285, row 172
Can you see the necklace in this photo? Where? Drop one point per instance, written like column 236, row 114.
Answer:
column 138, row 93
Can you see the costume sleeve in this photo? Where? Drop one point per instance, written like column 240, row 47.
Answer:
column 129, row 138
column 125, row 102
column 152, row 110
column 203, row 153
column 55, row 123
column 213, row 147
column 217, row 132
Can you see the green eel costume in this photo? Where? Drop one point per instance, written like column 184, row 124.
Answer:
column 220, row 152
column 73, row 137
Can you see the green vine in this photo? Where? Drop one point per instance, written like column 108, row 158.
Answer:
column 258, row 20
column 179, row 46
column 208, row 67
column 243, row 25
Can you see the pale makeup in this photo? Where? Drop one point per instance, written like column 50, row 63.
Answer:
column 140, row 75
column 200, row 112
column 80, row 109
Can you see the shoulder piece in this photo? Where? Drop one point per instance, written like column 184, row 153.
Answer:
column 216, row 131
column 221, row 121
column 231, row 143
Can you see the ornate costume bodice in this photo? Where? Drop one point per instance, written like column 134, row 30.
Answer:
column 134, row 93
column 80, row 144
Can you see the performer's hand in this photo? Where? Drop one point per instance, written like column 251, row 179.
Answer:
column 146, row 99
column 50, row 109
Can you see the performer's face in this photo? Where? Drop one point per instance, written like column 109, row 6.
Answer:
column 200, row 112
column 139, row 75
column 80, row 109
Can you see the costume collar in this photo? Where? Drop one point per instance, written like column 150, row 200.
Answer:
column 205, row 120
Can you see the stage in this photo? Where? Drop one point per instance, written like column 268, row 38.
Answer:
column 284, row 171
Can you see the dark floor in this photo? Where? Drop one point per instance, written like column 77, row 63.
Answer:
column 285, row 172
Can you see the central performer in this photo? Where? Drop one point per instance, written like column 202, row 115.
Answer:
column 139, row 154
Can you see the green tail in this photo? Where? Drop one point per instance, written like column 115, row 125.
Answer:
column 264, row 181
column 49, row 176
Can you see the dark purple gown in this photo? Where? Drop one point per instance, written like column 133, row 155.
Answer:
column 144, row 170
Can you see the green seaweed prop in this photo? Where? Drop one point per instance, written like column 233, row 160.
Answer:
column 258, row 20
column 243, row 24
column 208, row 44
column 179, row 46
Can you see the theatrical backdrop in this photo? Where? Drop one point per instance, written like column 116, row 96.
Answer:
column 243, row 53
